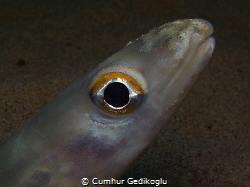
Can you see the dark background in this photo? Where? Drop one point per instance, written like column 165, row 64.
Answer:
column 44, row 46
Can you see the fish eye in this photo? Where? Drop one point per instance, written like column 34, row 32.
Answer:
column 117, row 92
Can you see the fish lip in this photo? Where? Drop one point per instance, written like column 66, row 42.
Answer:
column 203, row 34
column 207, row 33
column 206, row 29
column 212, row 40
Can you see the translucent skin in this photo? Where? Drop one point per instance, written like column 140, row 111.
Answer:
column 71, row 139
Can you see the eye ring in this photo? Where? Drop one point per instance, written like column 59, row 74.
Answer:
column 116, row 93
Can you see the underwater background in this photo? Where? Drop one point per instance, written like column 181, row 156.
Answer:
column 46, row 45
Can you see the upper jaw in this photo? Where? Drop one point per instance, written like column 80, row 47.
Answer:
column 165, row 49
column 176, row 35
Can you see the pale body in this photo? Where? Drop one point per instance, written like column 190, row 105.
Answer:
column 71, row 139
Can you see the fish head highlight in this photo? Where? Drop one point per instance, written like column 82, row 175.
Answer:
column 146, row 81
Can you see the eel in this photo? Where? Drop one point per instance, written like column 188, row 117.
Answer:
column 98, row 125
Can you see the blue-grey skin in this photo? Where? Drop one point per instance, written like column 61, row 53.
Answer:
column 71, row 138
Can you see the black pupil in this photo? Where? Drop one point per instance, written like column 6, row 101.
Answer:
column 116, row 94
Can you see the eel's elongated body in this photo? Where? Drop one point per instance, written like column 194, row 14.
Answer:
column 101, row 122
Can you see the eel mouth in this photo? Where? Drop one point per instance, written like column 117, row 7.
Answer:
column 202, row 33
column 205, row 28
column 194, row 59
